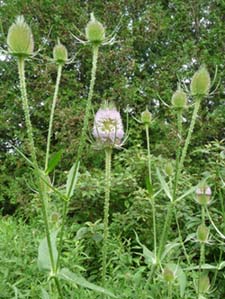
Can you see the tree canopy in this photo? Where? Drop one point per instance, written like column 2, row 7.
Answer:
column 158, row 43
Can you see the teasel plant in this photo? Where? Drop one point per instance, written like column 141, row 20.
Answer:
column 95, row 37
column 146, row 121
column 60, row 58
column 108, row 133
column 179, row 105
column 169, row 277
column 199, row 88
column 21, row 46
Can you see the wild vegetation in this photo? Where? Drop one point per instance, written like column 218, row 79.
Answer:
column 112, row 148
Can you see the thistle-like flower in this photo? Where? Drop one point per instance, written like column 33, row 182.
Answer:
column 203, row 194
column 95, row 31
column 95, row 34
column 20, row 38
column 60, row 54
column 179, row 99
column 146, row 117
column 108, row 127
column 202, row 233
column 200, row 83
column 168, row 275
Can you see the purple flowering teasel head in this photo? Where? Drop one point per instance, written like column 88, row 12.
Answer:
column 108, row 127
column 203, row 194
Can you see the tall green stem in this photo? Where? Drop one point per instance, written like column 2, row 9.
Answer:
column 202, row 248
column 59, row 73
column 180, row 127
column 150, row 181
column 190, row 131
column 170, row 291
column 179, row 123
column 178, row 152
column 80, row 147
column 149, row 154
column 165, row 229
column 23, row 89
column 152, row 200
column 41, row 187
column 179, row 168
column 108, row 157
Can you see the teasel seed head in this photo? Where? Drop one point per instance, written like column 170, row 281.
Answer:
column 95, row 31
column 168, row 275
column 202, row 233
column 179, row 99
column 60, row 54
column 146, row 117
column 20, row 38
column 200, row 83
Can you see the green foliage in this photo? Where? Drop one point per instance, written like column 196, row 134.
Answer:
column 158, row 44
column 44, row 262
column 19, row 273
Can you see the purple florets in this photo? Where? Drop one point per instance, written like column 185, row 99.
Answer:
column 108, row 127
column 204, row 191
column 203, row 194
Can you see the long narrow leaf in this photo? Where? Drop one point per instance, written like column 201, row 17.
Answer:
column 67, row 275
column 157, row 193
column 148, row 185
column 39, row 173
column 72, row 180
column 216, row 229
column 205, row 267
column 191, row 190
column 148, row 254
column 61, row 195
column 164, row 185
column 168, row 248
column 22, row 155
column 54, row 161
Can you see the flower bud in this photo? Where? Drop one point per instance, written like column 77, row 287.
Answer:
column 168, row 275
column 202, row 233
column 95, row 32
column 60, row 54
column 55, row 217
column 179, row 99
column 20, row 39
column 203, row 194
column 146, row 117
column 168, row 169
column 200, row 83
column 204, row 284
